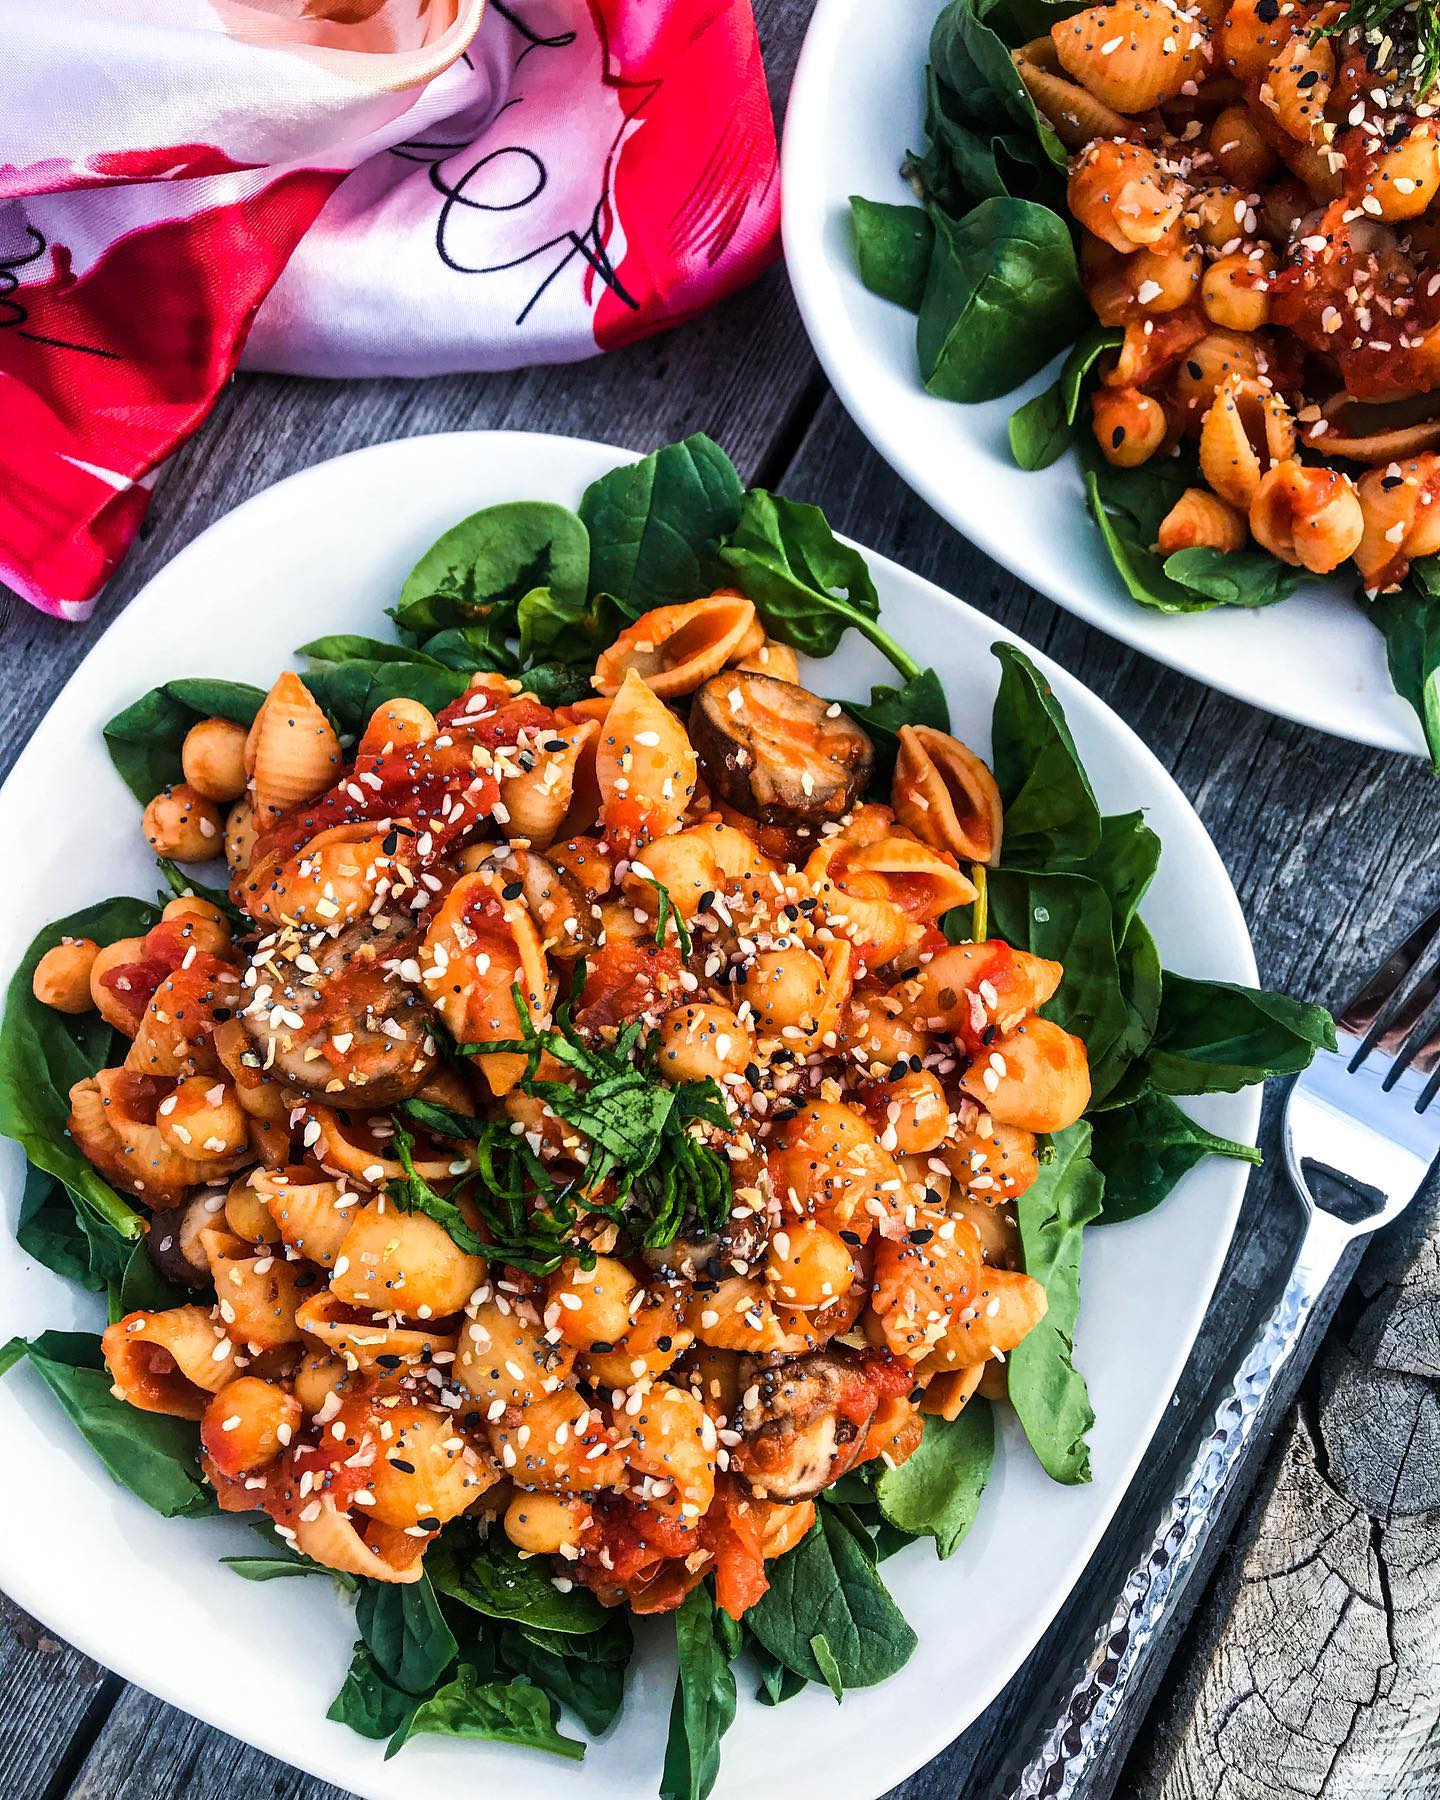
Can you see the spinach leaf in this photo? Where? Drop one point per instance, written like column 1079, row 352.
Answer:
column 184, row 887
column 920, row 702
column 656, row 525
column 493, row 1578
column 1043, row 428
column 351, row 691
column 144, row 740
column 1125, row 864
column 43, row 1053
column 404, row 1629
column 1141, row 568
column 554, row 625
column 348, row 647
column 1233, row 577
column 585, row 1673
column 489, row 560
column 1145, row 1148
column 828, row 1584
column 367, row 1702
column 1051, row 814
column 69, row 1239
column 892, row 248
column 1002, row 296
column 559, row 683
column 277, row 1567
column 1409, row 621
column 936, row 1491
column 784, row 556
column 141, row 1287
column 150, row 1453
column 1046, row 1390
column 1215, row 1037
column 482, row 644
column 707, row 1641
column 503, row 1712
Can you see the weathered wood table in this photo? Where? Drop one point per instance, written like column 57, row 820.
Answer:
column 1311, row 1665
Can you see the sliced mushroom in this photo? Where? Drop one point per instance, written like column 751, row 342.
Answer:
column 776, row 752
column 363, row 1035
column 804, row 1423
column 173, row 1240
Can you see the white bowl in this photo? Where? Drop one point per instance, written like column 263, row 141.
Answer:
column 324, row 551
column 856, row 106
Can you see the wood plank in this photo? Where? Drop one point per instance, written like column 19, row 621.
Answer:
column 52, row 1702
column 1322, row 839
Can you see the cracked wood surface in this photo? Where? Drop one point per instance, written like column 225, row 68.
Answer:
column 1310, row 1667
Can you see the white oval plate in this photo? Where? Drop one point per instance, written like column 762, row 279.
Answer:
column 326, row 550
column 856, row 106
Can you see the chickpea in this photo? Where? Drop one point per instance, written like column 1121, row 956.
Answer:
column 202, row 1119
column 809, row 1265
column 593, row 1304
column 213, row 758
column 873, row 1023
column 996, row 1228
column 1235, row 290
column 785, row 987
column 317, row 1378
column 701, row 1041
column 202, row 922
column 62, row 975
column 182, row 823
column 247, row 1424
column 540, row 1524
column 1129, row 426
column 1240, row 149
column 911, row 1114
column 248, row 1215
column 113, row 1007
column 395, row 725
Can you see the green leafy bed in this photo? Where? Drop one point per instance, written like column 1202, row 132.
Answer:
column 490, row 1644
column 987, row 263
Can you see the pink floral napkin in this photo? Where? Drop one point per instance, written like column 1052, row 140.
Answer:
column 339, row 187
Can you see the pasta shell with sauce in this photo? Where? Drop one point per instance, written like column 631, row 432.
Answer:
column 168, row 1362
column 675, row 648
column 292, row 751
column 945, row 794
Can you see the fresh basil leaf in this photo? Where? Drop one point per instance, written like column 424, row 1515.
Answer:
column 936, row 1491
column 920, row 702
column 1145, row 1148
column 1051, row 814
column 1046, row 1390
column 1002, row 296
column 1215, row 1037
column 502, row 1712
column 656, row 525
column 144, row 740
column 367, row 1702
column 1409, row 621
column 43, row 1053
column 707, row 1641
column 347, row 647
column 493, row 1578
column 1233, row 577
column 404, row 1629
column 828, row 1584
column 485, row 563
column 783, row 556
column 892, row 248
column 1043, row 428
column 150, row 1453
column 585, row 1673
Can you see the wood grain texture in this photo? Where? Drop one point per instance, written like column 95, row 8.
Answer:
column 1323, row 840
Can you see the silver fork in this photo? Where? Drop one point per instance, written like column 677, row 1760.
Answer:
column 1360, row 1134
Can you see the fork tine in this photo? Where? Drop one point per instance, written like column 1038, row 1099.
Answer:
column 1365, row 1012
column 1420, row 1052
column 1397, row 1025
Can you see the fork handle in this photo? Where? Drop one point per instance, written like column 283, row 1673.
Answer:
column 1086, row 1721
